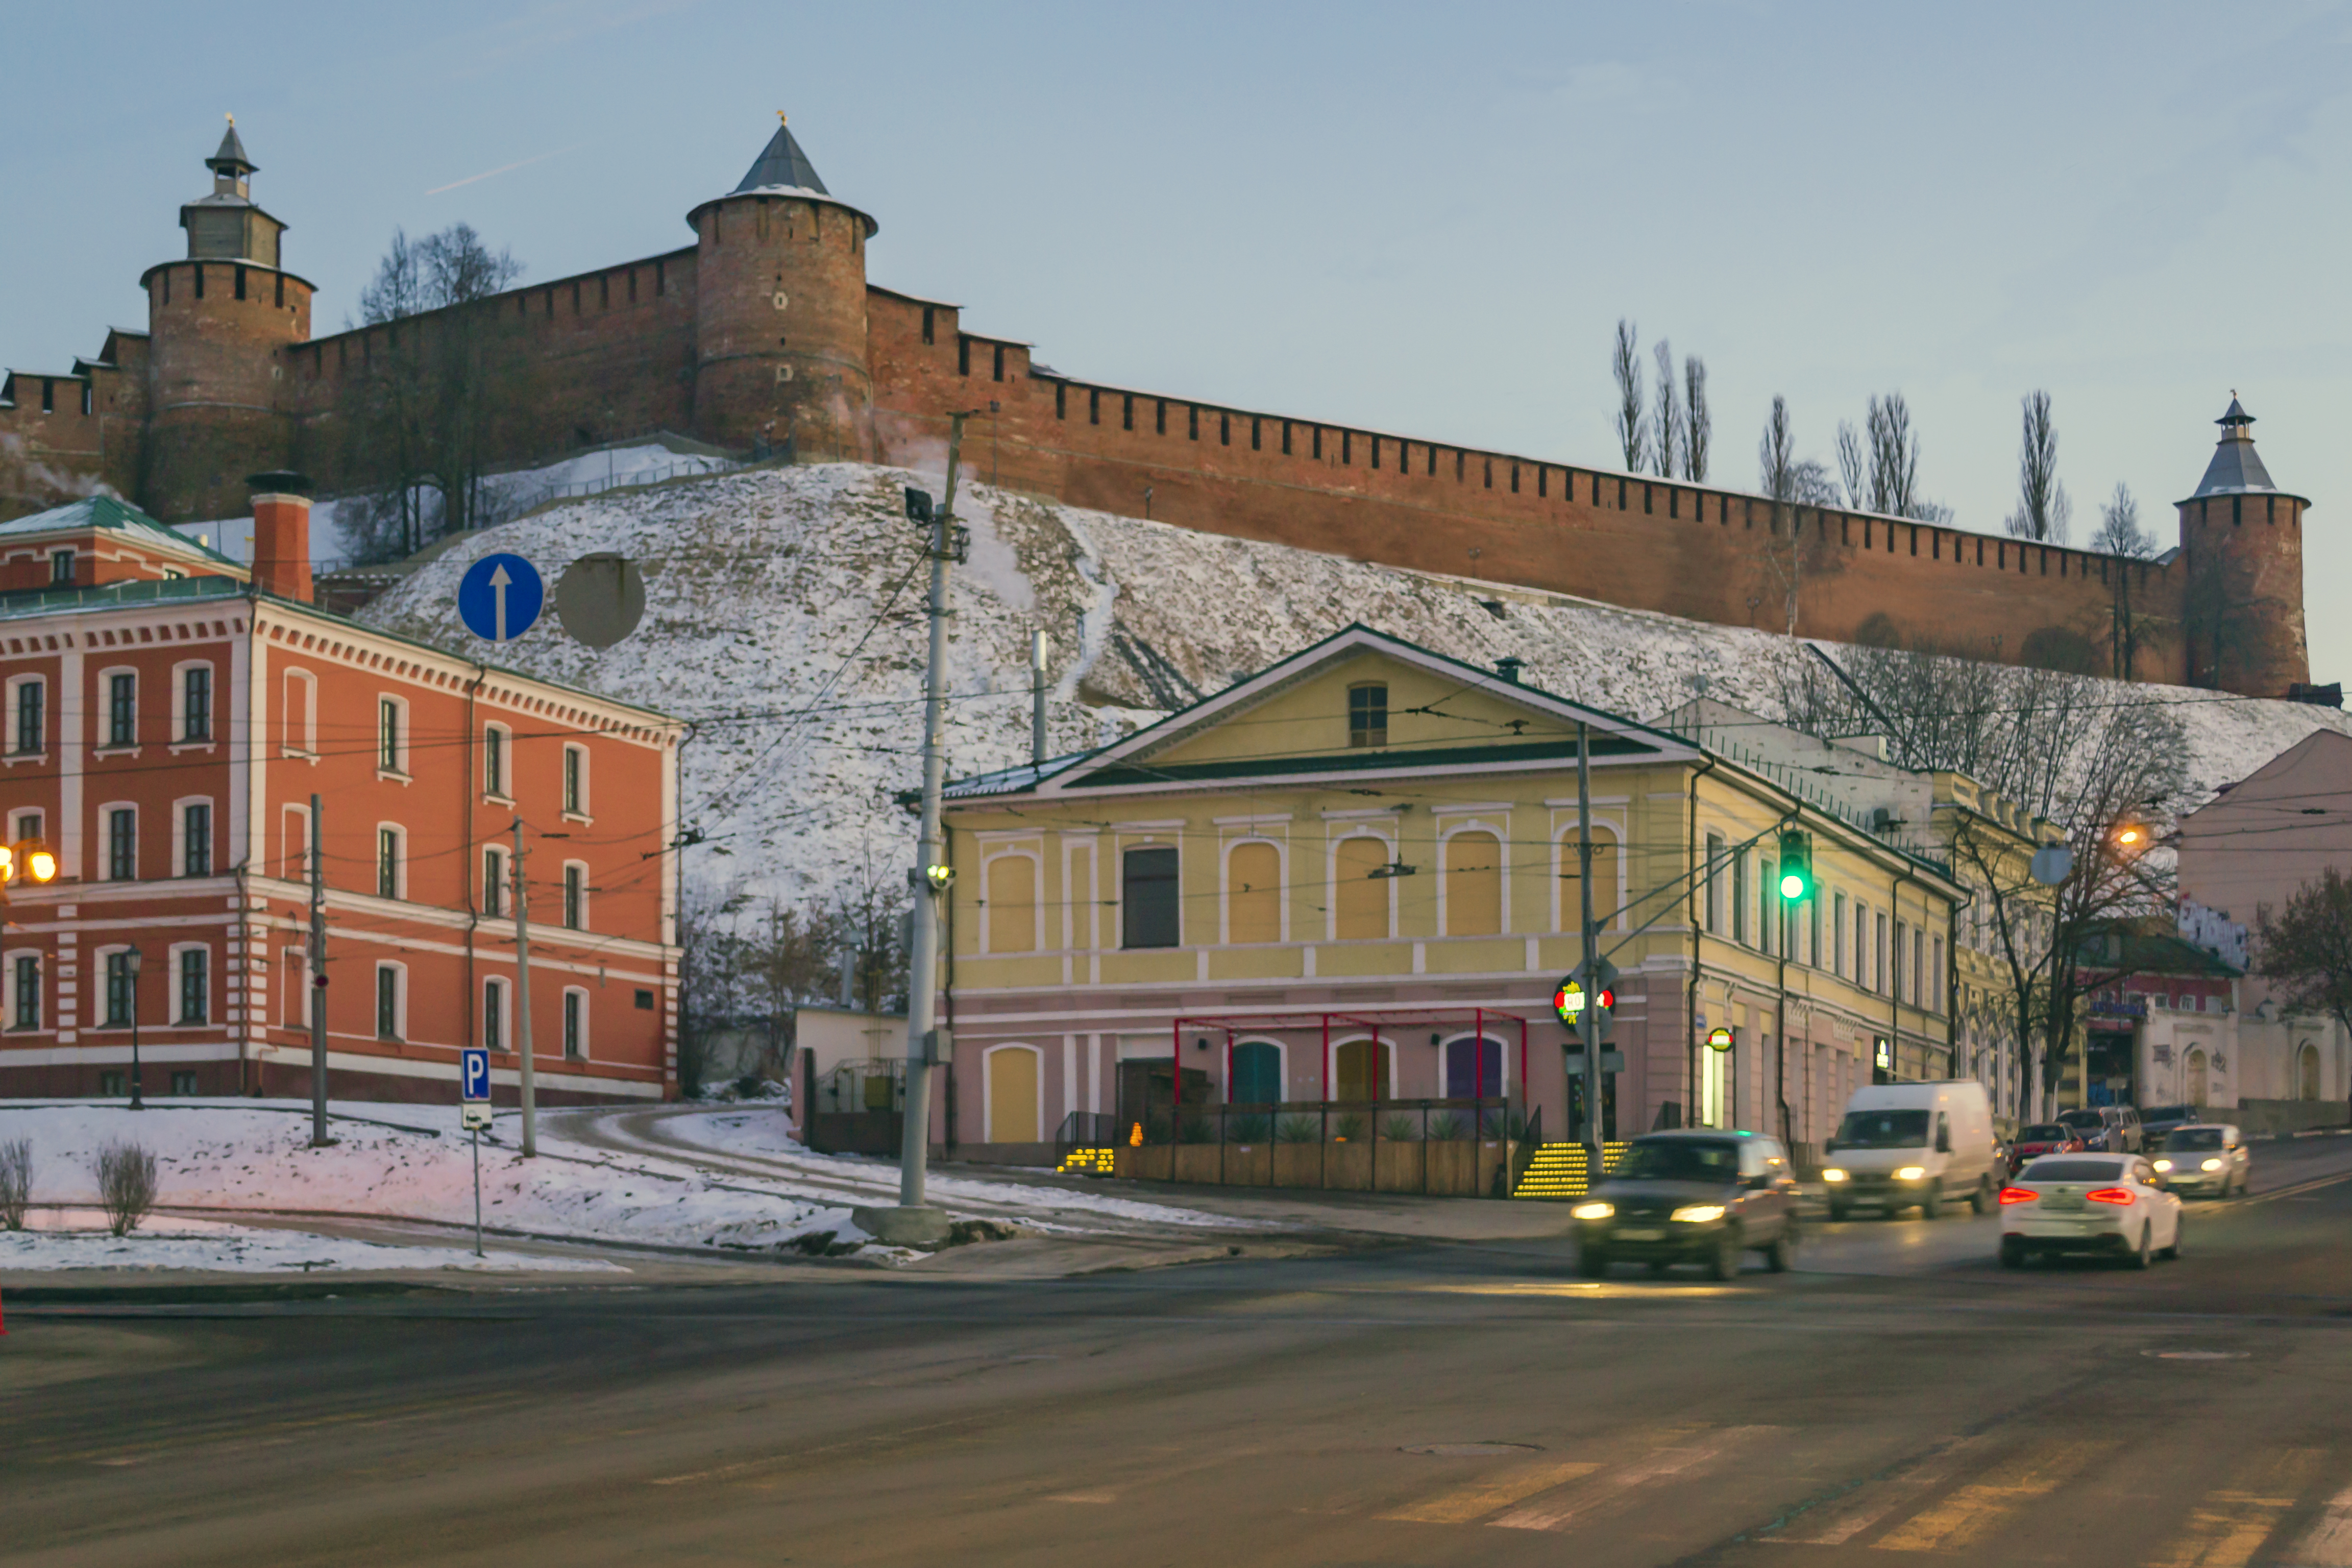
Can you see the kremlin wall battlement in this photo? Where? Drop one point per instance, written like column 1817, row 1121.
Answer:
column 766, row 334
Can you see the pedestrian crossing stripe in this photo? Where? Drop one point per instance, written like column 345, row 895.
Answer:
column 1968, row 1512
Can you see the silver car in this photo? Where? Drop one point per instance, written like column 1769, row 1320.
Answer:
column 2204, row 1159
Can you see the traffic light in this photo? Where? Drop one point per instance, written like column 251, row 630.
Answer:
column 1796, row 867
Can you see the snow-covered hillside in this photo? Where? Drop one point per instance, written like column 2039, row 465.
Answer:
column 783, row 616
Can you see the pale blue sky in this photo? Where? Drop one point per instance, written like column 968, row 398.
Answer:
column 1423, row 219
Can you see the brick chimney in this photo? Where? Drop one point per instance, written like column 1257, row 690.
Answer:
column 281, row 534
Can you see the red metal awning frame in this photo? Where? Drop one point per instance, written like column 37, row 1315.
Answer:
column 1232, row 1025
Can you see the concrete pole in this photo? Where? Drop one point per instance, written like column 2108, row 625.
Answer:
column 319, row 1138
column 1589, row 963
column 922, row 965
column 522, row 993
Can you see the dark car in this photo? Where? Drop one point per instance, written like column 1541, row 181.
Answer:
column 2042, row 1137
column 2088, row 1125
column 1691, row 1197
column 2159, row 1120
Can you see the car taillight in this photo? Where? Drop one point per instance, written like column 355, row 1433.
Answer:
column 2018, row 1194
column 2119, row 1195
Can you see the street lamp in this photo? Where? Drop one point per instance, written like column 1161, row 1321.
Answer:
column 131, row 973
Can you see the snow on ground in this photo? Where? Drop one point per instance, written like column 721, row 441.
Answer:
column 77, row 1238
column 783, row 618
column 409, row 1161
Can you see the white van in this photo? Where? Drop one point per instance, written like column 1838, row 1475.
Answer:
column 1906, row 1143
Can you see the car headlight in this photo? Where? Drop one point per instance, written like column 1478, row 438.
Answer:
column 2166, row 1165
column 1594, row 1211
column 1910, row 1172
column 1832, row 1174
column 1699, row 1213
column 2208, row 1165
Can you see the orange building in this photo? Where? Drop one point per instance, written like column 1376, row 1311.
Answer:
column 169, row 720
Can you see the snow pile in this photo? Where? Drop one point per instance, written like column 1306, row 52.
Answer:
column 783, row 616
column 77, row 1238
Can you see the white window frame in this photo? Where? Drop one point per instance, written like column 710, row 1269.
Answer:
column 105, row 811
column 503, row 1014
column 563, row 1020
column 399, row 770
column 104, row 743
column 9, row 959
column 988, row 1083
column 504, row 908
column 1036, row 858
column 97, row 1018
column 16, row 684
column 1341, row 832
column 179, row 702
column 399, row 862
column 563, row 892
column 502, row 792
column 301, row 687
column 573, row 751
column 296, row 962
column 1281, row 849
column 179, row 834
column 178, row 955
column 399, row 1000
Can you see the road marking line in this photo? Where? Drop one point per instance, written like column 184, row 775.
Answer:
column 1083, row 1497
column 1869, row 1504
column 2327, row 1544
column 1977, row 1506
column 2230, row 1523
column 1612, row 1484
column 2313, row 1185
column 1498, row 1491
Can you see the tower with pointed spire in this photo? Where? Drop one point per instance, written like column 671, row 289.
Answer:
column 2241, row 544
column 218, row 321
column 780, row 312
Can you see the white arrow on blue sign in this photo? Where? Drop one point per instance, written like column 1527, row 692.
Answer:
column 500, row 596
column 474, row 1076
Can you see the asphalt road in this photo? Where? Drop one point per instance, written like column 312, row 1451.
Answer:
column 1412, row 1404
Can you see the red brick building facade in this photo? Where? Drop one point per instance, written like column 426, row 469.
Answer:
column 169, row 723
column 766, row 330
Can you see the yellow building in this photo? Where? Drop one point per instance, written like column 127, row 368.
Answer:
column 1352, row 878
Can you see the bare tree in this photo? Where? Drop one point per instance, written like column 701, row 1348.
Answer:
column 1853, row 466
column 2119, row 530
column 1698, row 425
column 1632, row 423
column 1667, row 435
column 15, row 1182
column 1776, row 453
column 2120, row 536
column 2043, row 512
column 126, row 1185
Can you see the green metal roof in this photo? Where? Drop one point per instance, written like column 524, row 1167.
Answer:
column 106, row 513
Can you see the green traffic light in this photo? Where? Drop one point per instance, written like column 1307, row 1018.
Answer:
column 1792, row 887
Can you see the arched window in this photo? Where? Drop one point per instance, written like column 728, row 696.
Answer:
column 2200, row 1082
column 1360, row 902
column 1474, row 884
column 2306, row 1065
column 1473, row 1068
column 1011, row 894
column 1254, row 893
column 1358, row 1061
column 1257, row 1073
column 1012, row 1094
column 1607, row 879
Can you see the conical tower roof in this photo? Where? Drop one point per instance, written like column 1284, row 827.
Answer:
column 231, row 158
column 2236, row 468
column 782, row 165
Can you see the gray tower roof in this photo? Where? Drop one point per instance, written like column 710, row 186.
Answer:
column 231, row 156
column 2236, row 468
column 781, row 164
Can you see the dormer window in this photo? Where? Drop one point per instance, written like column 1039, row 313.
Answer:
column 1367, row 714
column 61, row 568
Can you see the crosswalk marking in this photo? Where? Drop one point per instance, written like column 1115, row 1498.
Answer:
column 1975, row 1508
column 2229, row 1524
column 1484, row 1497
column 1840, row 1523
column 2328, row 1542
column 1608, row 1486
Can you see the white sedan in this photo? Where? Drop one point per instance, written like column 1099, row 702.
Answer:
column 2110, row 1203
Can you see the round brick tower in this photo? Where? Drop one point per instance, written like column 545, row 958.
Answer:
column 780, row 314
column 218, row 323
column 2242, row 541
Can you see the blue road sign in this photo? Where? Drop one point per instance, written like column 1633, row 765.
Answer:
column 499, row 597
column 474, row 1076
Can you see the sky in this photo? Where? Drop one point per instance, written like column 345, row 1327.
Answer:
column 1423, row 219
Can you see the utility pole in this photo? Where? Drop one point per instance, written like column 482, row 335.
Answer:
column 1589, row 963
column 913, row 1220
column 1037, row 697
column 319, row 1138
column 522, row 993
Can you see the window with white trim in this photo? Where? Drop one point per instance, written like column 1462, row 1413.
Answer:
column 121, row 843
column 192, row 701
column 192, row 850
column 575, row 781
column 575, row 1024
column 391, row 1001
column 301, row 713
column 575, row 895
column 391, row 735
column 493, row 881
column 24, row 1000
column 192, row 984
column 121, row 688
column 391, row 870
column 498, row 744
column 494, row 1014
column 28, row 723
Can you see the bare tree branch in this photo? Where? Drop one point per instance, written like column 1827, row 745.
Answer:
column 1633, row 426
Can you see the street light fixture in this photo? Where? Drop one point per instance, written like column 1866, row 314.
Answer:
column 130, row 962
